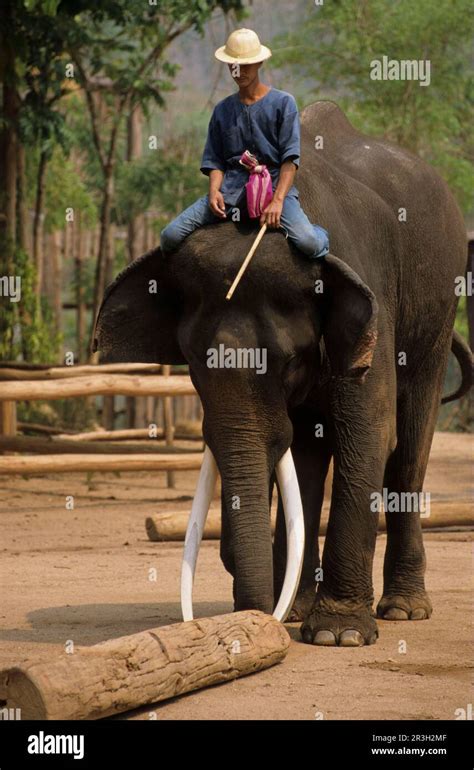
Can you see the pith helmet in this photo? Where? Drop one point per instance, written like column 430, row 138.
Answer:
column 243, row 47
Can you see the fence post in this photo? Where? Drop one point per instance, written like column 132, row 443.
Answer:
column 8, row 418
column 168, row 426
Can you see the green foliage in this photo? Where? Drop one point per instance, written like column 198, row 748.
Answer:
column 29, row 329
column 332, row 50
column 124, row 43
column 166, row 178
column 65, row 188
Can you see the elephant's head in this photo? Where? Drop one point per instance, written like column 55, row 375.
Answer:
column 291, row 324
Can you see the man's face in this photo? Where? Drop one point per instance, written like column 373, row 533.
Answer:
column 244, row 74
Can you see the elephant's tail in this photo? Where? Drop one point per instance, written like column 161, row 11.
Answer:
column 461, row 350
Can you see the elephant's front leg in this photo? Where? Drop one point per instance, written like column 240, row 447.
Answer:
column 342, row 612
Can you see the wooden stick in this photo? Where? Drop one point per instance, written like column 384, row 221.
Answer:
column 147, row 667
column 246, row 261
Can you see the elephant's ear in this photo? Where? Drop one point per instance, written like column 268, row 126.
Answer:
column 138, row 318
column 349, row 319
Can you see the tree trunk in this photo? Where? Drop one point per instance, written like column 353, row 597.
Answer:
column 21, row 209
column 57, row 265
column 134, row 151
column 8, row 176
column 38, row 221
column 80, row 296
column 102, row 257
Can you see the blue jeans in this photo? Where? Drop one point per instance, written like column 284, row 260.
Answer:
column 311, row 239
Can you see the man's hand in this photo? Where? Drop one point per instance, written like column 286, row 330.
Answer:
column 216, row 203
column 271, row 215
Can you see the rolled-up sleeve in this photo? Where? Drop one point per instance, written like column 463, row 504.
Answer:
column 212, row 157
column 289, row 134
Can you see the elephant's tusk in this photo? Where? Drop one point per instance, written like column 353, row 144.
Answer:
column 197, row 519
column 293, row 508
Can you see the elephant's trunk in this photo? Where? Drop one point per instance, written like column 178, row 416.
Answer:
column 246, row 493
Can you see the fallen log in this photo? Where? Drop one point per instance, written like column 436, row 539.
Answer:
column 144, row 668
column 172, row 525
column 97, row 385
column 29, row 465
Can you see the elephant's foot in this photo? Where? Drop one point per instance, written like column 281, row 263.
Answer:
column 332, row 623
column 395, row 606
column 302, row 605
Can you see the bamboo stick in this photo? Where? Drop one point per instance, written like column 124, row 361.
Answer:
column 246, row 261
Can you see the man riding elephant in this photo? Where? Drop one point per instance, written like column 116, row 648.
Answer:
column 264, row 122
column 356, row 352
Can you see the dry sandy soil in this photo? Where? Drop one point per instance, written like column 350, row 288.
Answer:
column 83, row 575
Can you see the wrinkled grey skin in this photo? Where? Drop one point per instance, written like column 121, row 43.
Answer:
column 332, row 360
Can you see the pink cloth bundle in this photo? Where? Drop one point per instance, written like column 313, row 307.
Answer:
column 259, row 187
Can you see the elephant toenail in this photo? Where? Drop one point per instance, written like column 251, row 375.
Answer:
column 307, row 636
column 395, row 613
column 373, row 638
column 418, row 614
column 325, row 639
column 351, row 638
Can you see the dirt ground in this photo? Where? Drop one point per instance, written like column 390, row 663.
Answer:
column 83, row 574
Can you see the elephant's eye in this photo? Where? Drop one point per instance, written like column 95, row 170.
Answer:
column 290, row 369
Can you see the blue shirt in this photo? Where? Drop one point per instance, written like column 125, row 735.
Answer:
column 269, row 128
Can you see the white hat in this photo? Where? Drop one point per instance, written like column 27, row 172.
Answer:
column 243, row 47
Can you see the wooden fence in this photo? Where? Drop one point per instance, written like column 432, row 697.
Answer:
column 97, row 450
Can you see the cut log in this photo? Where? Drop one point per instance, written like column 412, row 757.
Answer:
column 97, row 385
column 172, row 525
column 144, row 668
column 30, row 465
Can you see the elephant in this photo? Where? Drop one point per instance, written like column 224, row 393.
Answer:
column 356, row 352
